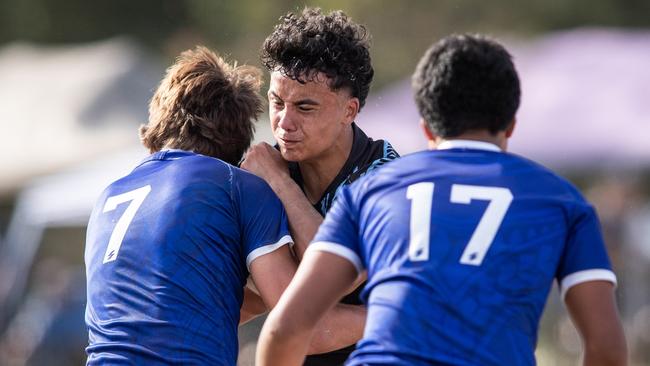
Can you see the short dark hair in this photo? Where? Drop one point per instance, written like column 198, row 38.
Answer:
column 205, row 105
column 464, row 83
column 301, row 46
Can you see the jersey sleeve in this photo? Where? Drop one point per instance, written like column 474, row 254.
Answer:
column 264, row 222
column 339, row 233
column 585, row 257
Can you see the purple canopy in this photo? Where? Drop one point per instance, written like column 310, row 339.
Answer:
column 585, row 102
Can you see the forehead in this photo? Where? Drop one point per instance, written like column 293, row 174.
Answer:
column 287, row 88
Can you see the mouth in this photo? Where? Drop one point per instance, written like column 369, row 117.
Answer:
column 288, row 142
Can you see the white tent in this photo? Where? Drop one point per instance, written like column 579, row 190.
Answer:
column 67, row 104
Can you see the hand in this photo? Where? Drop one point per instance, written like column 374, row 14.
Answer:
column 266, row 162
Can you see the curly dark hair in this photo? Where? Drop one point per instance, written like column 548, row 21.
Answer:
column 466, row 82
column 302, row 46
column 205, row 105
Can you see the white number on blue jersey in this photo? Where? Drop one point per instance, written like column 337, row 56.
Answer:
column 136, row 197
column 421, row 195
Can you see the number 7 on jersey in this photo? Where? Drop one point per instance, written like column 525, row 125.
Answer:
column 421, row 195
column 136, row 197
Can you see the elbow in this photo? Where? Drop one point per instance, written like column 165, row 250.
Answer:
column 279, row 344
column 283, row 330
column 275, row 329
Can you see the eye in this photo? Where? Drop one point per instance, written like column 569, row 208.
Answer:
column 276, row 103
column 305, row 108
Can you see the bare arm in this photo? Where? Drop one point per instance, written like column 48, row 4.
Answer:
column 252, row 307
column 593, row 310
column 340, row 327
column 267, row 163
column 304, row 220
column 319, row 283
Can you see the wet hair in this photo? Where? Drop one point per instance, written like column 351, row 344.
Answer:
column 465, row 83
column 303, row 45
column 204, row 105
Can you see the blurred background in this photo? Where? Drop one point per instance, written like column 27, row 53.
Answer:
column 76, row 77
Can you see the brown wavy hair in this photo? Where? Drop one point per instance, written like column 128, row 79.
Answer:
column 205, row 105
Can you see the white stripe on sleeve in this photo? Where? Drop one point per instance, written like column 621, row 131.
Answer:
column 585, row 276
column 266, row 249
column 340, row 250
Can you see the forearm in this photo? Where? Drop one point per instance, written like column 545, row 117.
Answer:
column 285, row 342
column 608, row 348
column 304, row 220
column 342, row 326
column 605, row 355
column 307, row 312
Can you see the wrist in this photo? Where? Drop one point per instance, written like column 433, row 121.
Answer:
column 280, row 181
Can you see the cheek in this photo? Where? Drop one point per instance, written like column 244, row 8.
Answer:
column 331, row 124
column 273, row 120
column 322, row 132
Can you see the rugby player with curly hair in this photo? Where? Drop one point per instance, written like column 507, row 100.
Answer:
column 321, row 72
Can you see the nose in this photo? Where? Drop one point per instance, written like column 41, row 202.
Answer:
column 286, row 120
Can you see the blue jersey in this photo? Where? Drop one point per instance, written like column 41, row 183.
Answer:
column 168, row 249
column 462, row 246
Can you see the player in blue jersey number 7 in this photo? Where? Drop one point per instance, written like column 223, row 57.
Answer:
column 461, row 242
column 170, row 246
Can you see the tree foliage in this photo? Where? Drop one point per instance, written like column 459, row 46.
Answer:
column 401, row 29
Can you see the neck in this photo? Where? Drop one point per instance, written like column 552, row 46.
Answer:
column 500, row 139
column 319, row 172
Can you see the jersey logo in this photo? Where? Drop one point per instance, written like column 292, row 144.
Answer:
column 421, row 196
column 136, row 197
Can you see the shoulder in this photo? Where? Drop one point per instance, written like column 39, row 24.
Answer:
column 370, row 155
column 197, row 165
column 395, row 165
column 369, row 149
column 205, row 171
column 209, row 167
column 382, row 149
column 545, row 179
column 249, row 182
column 384, row 152
column 382, row 173
column 376, row 149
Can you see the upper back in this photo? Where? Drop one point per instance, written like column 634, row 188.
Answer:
column 470, row 211
column 467, row 244
column 166, row 260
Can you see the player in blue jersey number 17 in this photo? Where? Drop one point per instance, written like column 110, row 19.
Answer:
column 461, row 242
column 170, row 246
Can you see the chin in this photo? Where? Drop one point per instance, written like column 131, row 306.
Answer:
column 291, row 156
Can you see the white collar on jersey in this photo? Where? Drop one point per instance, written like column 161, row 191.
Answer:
column 468, row 144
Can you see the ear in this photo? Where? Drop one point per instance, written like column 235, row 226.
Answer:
column 351, row 109
column 511, row 128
